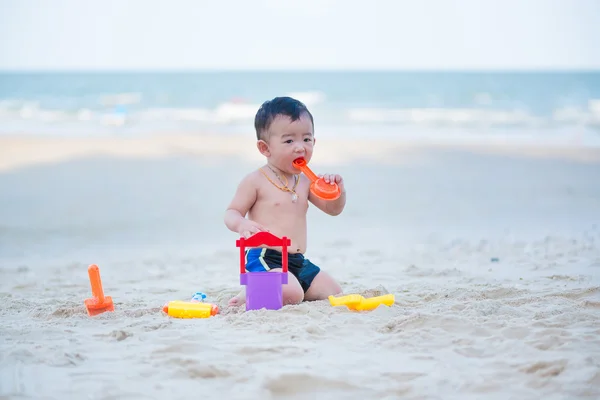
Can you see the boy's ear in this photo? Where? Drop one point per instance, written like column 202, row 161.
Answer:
column 263, row 147
column 314, row 140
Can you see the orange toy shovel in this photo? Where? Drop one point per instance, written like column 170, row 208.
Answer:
column 98, row 303
column 318, row 187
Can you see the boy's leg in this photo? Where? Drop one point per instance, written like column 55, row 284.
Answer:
column 322, row 286
column 292, row 292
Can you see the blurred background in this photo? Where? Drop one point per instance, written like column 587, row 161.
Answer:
column 434, row 70
column 127, row 124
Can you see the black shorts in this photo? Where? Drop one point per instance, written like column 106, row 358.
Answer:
column 262, row 259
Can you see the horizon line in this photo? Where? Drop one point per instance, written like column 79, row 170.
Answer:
column 296, row 70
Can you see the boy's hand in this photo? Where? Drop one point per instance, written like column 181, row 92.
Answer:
column 248, row 228
column 334, row 178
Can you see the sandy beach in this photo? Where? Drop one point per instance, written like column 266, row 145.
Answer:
column 492, row 252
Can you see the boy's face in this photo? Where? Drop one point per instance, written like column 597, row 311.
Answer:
column 287, row 141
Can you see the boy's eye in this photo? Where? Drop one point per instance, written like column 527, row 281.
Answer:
column 308, row 140
column 288, row 141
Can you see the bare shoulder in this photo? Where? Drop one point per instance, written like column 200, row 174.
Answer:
column 251, row 179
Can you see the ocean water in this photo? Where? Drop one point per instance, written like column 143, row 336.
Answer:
column 543, row 107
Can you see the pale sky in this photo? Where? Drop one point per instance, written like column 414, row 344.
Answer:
column 299, row 34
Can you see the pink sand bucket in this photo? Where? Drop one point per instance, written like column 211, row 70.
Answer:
column 263, row 289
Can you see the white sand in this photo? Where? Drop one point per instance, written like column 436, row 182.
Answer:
column 424, row 225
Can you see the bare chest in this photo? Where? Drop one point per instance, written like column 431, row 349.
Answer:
column 271, row 197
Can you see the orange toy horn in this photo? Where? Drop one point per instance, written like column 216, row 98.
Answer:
column 318, row 186
column 98, row 303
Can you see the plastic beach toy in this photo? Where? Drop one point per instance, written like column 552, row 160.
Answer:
column 198, row 297
column 189, row 309
column 356, row 302
column 318, row 186
column 263, row 289
column 98, row 303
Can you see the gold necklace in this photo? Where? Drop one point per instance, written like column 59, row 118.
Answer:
column 285, row 187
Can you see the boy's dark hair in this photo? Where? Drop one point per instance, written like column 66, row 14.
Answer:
column 278, row 106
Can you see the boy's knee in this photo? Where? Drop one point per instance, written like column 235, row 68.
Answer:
column 323, row 286
column 292, row 294
column 335, row 288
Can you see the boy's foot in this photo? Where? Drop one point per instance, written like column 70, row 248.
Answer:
column 237, row 300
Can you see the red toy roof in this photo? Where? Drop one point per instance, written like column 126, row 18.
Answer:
column 263, row 238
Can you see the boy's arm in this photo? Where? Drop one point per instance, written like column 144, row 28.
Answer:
column 334, row 207
column 244, row 198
